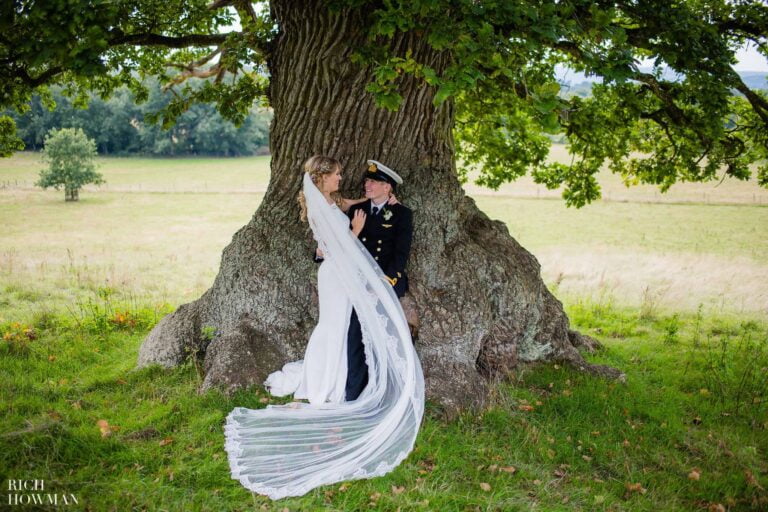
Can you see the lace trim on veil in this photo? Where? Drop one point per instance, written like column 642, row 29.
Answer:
column 288, row 450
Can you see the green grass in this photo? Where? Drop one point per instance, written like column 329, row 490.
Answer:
column 722, row 230
column 693, row 401
column 130, row 174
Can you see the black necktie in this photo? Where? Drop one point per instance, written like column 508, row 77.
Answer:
column 375, row 210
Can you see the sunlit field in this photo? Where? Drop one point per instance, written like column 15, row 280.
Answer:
column 674, row 286
column 155, row 232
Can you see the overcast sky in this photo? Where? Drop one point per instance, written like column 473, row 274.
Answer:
column 750, row 60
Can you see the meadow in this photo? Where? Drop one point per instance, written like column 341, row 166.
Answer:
column 674, row 285
column 169, row 219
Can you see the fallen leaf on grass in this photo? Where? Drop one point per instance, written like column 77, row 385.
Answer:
column 695, row 474
column 485, row 486
column 427, row 465
column 105, row 428
column 398, row 490
column 752, row 481
column 375, row 496
column 636, row 488
column 143, row 434
column 508, row 469
column 167, row 440
column 525, row 407
column 716, row 507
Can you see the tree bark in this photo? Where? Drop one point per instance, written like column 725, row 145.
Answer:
column 482, row 304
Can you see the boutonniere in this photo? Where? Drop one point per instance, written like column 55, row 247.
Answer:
column 387, row 214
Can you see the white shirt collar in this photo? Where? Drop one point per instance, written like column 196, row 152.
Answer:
column 380, row 205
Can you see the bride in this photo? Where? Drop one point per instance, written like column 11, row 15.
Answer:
column 321, row 376
column 287, row 450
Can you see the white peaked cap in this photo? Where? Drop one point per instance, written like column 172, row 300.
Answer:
column 386, row 170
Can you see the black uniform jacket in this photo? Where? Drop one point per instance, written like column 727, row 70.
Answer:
column 387, row 236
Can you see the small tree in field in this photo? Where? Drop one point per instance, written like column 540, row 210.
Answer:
column 70, row 154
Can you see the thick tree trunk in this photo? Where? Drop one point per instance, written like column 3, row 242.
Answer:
column 482, row 304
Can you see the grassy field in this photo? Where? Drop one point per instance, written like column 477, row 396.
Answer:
column 676, row 288
column 169, row 219
column 686, row 432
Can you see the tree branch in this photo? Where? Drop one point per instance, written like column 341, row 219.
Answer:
column 193, row 72
column 196, row 63
column 39, row 79
column 245, row 9
column 170, row 42
column 759, row 104
column 218, row 4
column 193, row 69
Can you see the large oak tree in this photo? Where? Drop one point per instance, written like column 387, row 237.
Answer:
column 414, row 84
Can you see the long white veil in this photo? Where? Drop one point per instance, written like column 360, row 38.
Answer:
column 287, row 450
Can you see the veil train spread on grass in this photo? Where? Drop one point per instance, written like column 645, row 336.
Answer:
column 287, row 450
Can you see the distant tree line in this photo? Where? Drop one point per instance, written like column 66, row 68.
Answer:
column 120, row 126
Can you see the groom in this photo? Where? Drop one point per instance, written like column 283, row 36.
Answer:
column 387, row 235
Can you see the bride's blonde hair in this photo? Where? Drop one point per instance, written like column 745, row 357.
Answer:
column 317, row 166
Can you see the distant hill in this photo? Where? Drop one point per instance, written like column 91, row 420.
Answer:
column 574, row 82
column 755, row 79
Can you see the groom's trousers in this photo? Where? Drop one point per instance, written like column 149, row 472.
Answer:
column 357, row 369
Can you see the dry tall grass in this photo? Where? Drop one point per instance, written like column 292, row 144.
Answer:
column 157, row 231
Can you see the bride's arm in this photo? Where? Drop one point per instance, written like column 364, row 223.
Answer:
column 346, row 204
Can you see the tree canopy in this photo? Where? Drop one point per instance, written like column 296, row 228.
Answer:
column 704, row 124
column 121, row 127
column 70, row 155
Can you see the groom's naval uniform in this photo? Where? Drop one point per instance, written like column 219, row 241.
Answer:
column 387, row 235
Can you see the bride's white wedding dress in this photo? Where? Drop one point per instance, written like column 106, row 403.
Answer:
column 322, row 375
column 287, row 450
